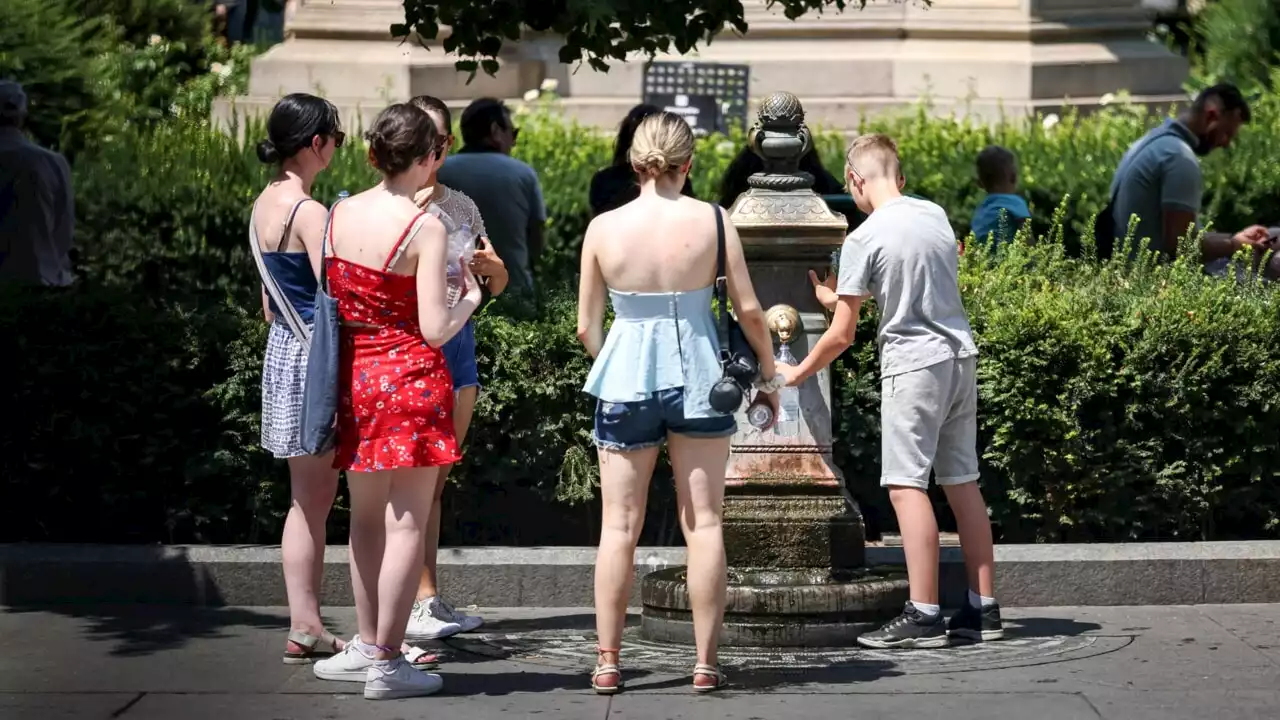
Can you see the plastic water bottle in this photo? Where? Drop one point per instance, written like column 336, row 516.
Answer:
column 788, row 424
column 760, row 413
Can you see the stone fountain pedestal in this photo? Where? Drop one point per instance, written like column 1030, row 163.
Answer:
column 794, row 538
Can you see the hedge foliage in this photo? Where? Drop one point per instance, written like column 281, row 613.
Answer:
column 1118, row 401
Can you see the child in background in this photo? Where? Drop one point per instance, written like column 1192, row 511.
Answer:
column 1002, row 212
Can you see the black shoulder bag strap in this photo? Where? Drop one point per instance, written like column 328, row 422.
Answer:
column 722, row 287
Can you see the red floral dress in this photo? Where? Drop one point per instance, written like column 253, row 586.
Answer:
column 395, row 405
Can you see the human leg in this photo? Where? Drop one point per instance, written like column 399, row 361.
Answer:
column 369, row 493
column 957, row 474
column 408, row 504
column 912, row 408
column 628, row 436
column 699, row 466
column 431, row 616
column 313, row 486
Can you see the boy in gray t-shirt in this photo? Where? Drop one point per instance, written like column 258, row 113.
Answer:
column 905, row 255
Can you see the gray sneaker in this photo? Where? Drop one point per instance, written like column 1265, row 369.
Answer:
column 429, row 621
column 468, row 623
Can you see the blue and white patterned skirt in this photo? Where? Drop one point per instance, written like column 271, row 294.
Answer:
column 284, row 369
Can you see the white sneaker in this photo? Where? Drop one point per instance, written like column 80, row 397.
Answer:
column 428, row 621
column 350, row 665
column 468, row 623
column 392, row 679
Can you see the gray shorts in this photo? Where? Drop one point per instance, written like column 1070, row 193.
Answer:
column 929, row 420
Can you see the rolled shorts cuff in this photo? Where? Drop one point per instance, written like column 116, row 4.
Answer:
column 623, row 447
column 908, row 482
column 958, row 479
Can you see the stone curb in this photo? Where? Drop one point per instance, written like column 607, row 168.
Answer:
column 1027, row 575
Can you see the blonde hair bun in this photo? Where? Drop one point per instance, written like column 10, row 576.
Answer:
column 663, row 144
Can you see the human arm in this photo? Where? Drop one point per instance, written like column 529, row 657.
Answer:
column 439, row 322
column 1177, row 222
column 825, row 290
column 746, row 306
column 488, row 265
column 534, row 234
column 837, row 338
column 66, row 232
column 309, row 227
column 267, row 315
column 857, row 268
column 591, row 294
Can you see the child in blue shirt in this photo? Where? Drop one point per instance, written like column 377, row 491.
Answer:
column 1002, row 212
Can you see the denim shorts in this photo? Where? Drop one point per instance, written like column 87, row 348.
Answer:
column 460, row 356
column 645, row 423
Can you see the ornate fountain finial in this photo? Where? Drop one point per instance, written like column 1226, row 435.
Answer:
column 780, row 138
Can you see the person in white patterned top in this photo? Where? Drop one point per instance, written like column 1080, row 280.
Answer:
column 432, row 616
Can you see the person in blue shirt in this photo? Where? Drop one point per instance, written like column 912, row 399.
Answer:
column 1002, row 212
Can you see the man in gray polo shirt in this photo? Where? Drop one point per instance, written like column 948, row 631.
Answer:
column 505, row 190
column 1159, row 177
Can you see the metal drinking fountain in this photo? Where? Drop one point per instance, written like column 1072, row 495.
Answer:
column 793, row 536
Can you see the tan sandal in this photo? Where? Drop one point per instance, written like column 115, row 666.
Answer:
column 707, row 671
column 314, row 648
column 606, row 670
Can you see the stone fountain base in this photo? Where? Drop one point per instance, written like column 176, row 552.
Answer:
column 810, row 607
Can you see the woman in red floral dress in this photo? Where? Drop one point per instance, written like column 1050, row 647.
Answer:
column 395, row 416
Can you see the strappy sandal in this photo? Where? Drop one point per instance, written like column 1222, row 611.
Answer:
column 316, row 648
column 420, row 659
column 605, row 670
column 707, row 671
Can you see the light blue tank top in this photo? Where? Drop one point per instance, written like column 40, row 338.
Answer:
column 659, row 341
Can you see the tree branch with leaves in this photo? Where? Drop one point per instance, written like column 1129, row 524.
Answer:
column 594, row 31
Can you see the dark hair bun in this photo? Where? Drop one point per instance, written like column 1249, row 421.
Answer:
column 294, row 123
column 401, row 136
column 268, row 153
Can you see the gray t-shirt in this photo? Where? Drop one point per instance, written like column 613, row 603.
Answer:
column 1154, row 174
column 905, row 255
column 509, row 197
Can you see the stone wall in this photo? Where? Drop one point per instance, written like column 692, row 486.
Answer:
column 977, row 57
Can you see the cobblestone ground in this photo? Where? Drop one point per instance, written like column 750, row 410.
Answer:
column 1129, row 663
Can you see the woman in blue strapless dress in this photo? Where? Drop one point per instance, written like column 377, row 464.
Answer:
column 656, row 259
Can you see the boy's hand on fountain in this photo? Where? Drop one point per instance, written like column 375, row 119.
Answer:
column 825, row 290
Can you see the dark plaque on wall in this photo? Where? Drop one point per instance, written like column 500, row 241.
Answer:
column 710, row 96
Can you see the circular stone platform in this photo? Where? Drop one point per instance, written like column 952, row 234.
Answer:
column 778, row 608
column 577, row 650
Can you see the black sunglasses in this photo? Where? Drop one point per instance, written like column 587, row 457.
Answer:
column 515, row 133
column 338, row 139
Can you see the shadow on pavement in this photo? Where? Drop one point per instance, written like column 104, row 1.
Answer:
column 1047, row 627
column 145, row 599
column 140, row 630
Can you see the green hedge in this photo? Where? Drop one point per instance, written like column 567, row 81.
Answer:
column 1117, row 402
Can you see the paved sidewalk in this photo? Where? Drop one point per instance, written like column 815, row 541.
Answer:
column 170, row 663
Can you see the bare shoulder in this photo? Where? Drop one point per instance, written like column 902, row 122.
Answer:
column 311, row 213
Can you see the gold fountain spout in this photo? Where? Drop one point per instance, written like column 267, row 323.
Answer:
column 784, row 321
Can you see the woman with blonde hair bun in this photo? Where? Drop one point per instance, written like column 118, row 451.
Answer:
column 657, row 259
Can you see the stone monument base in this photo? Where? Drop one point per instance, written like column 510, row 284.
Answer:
column 778, row 608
